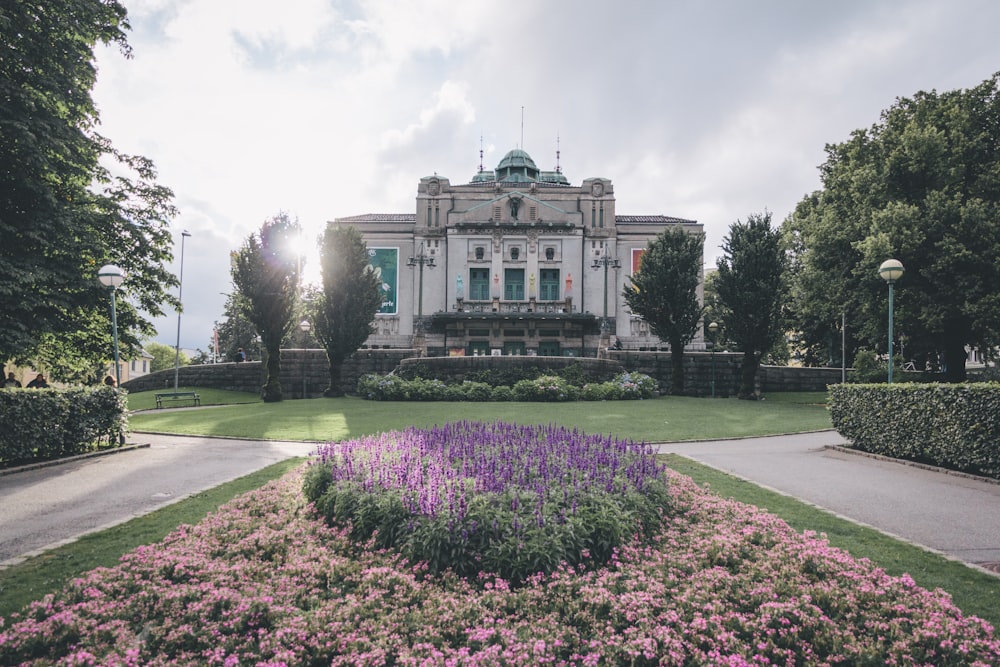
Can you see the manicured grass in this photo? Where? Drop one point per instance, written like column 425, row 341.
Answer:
column 48, row 572
column 973, row 591
column 146, row 400
column 664, row 419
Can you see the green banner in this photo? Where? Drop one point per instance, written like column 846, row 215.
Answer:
column 385, row 262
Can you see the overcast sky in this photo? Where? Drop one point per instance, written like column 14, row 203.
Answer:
column 700, row 109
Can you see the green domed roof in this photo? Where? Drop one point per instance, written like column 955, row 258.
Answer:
column 517, row 166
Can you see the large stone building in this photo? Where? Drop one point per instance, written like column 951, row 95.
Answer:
column 516, row 261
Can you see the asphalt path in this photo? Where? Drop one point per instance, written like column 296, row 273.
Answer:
column 44, row 507
column 955, row 515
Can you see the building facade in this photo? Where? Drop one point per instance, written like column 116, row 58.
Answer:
column 516, row 261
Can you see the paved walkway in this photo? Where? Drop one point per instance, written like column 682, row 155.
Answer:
column 952, row 514
column 955, row 515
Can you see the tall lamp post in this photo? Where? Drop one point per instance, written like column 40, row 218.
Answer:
column 305, row 327
column 111, row 277
column 891, row 270
column 421, row 259
column 712, row 328
column 180, row 301
column 607, row 262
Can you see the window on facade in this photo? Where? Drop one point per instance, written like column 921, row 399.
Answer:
column 532, row 213
column 602, row 216
column 548, row 284
column 548, row 348
column 480, row 253
column 479, row 284
column 513, row 284
column 515, row 253
column 496, row 211
column 550, row 254
column 593, row 215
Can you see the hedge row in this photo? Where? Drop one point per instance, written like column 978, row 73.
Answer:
column 547, row 388
column 955, row 426
column 40, row 424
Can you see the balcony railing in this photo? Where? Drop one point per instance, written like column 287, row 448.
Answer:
column 529, row 306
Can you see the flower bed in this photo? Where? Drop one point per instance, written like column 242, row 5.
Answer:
column 501, row 498
column 261, row 582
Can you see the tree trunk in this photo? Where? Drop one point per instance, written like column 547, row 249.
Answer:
column 271, row 391
column 334, row 390
column 748, row 376
column 954, row 359
column 676, row 368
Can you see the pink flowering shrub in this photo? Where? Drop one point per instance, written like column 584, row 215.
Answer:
column 501, row 498
column 261, row 582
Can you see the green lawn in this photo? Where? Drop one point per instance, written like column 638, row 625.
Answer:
column 146, row 400
column 668, row 418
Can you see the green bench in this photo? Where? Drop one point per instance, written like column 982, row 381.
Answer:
column 177, row 396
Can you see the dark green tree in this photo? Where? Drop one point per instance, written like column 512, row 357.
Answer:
column 63, row 214
column 921, row 186
column 236, row 332
column 749, row 285
column 343, row 312
column 664, row 292
column 266, row 274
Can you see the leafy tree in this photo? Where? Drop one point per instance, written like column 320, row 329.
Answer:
column 749, row 285
column 343, row 312
column 664, row 292
column 62, row 213
column 266, row 274
column 923, row 186
column 236, row 331
column 165, row 356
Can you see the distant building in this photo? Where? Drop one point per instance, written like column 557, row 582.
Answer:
column 516, row 261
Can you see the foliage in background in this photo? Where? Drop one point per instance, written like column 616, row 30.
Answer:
column 750, row 288
column 920, row 186
column 342, row 314
column 164, row 356
column 494, row 498
column 664, row 292
column 43, row 424
column 236, row 332
column 953, row 426
column 266, row 273
column 544, row 388
column 69, row 201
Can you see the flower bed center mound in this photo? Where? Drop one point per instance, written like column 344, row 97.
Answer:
column 491, row 497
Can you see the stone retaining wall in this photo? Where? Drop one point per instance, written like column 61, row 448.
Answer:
column 312, row 367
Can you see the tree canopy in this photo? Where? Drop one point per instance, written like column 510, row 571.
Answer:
column 265, row 272
column 664, row 292
column 343, row 311
column 62, row 213
column 922, row 186
column 749, row 286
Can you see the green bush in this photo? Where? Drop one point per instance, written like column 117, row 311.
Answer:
column 42, row 424
column 545, row 388
column 956, row 426
column 502, row 394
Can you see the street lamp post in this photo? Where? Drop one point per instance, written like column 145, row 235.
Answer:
column 891, row 270
column 111, row 277
column 305, row 327
column 421, row 259
column 712, row 328
column 180, row 302
column 607, row 262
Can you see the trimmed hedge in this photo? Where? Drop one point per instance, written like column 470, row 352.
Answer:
column 955, row 426
column 41, row 424
column 554, row 388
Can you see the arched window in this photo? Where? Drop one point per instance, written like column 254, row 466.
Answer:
column 515, row 253
column 550, row 254
column 479, row 253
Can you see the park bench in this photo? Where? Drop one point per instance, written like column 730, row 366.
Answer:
column 177, row 396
